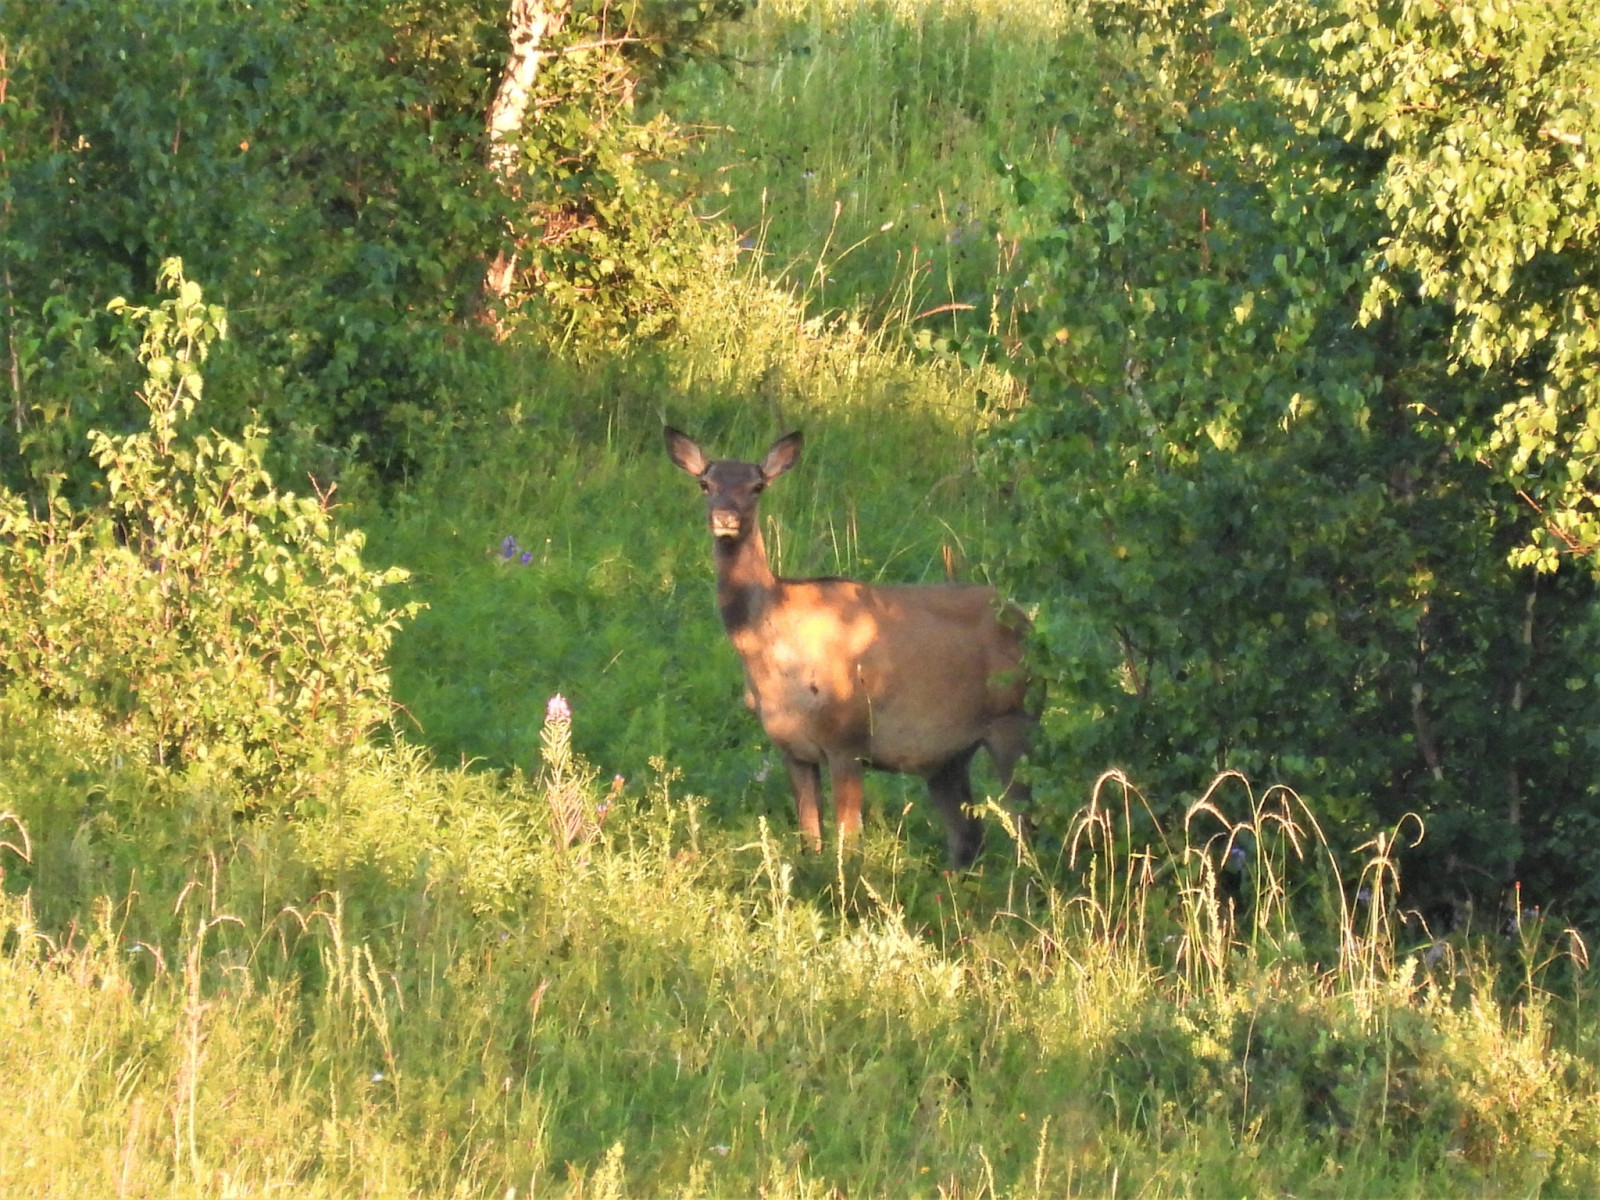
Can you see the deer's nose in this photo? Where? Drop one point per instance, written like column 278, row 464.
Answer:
column 724, row 522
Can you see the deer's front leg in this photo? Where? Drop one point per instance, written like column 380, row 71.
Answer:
column 806, row 779
column 845, row 771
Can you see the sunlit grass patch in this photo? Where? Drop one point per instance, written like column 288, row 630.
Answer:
column 436, row 987
column 860, row 149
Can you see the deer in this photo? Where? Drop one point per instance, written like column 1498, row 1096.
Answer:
column 848, row 676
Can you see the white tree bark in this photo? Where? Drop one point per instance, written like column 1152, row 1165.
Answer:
column 532, row 22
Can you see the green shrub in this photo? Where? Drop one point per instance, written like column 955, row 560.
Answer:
column 608, row 239
column 199, row 615
column 322, row 165
column 317, row 164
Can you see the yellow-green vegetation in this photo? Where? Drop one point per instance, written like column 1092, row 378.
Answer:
column 418, row 980
column 411, row 839
column 444, row 983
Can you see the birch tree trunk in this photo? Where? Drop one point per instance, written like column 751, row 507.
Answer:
column 532, row 23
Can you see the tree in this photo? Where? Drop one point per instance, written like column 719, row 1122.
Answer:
column 331, row 169
column 1487, row 116
column 530, row 22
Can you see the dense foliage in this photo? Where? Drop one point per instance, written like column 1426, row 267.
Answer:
column 1484, row 115
column 323, row 167
column 1283, row 384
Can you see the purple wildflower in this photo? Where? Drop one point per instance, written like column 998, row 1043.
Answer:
column 527, row 557
column 508, row 547
column 558, row 711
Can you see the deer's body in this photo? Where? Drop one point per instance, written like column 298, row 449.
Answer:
column 846, row 675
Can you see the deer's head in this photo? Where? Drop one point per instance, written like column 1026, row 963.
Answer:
column 732, row 488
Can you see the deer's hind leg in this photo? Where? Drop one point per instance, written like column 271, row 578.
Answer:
column 951, row 789
column 1007, row 740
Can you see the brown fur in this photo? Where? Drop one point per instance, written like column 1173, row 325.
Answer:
column 847, row 675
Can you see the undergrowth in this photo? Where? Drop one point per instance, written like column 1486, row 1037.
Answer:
column 445, row 982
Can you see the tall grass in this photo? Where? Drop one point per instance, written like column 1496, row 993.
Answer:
column 442, row 985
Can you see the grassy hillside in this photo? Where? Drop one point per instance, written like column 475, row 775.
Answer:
column 861, row 147
column 514, row 954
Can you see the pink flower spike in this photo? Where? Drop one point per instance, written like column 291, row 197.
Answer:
column 557, row 711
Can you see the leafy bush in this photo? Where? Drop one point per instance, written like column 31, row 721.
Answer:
column 1485, row 117
column 609, row 241
column 317, row 164
column 199, row 615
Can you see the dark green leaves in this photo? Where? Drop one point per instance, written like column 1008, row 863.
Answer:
column 1263, row 511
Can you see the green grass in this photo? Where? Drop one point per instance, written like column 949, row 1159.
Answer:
column 859, row 147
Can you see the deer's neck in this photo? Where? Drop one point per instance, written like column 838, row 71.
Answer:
column 746, row 587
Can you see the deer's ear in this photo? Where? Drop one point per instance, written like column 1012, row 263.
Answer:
column 784, row 454
column 682, row 450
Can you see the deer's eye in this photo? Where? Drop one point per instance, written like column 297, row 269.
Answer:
column 758, row 486
column 705, row 486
